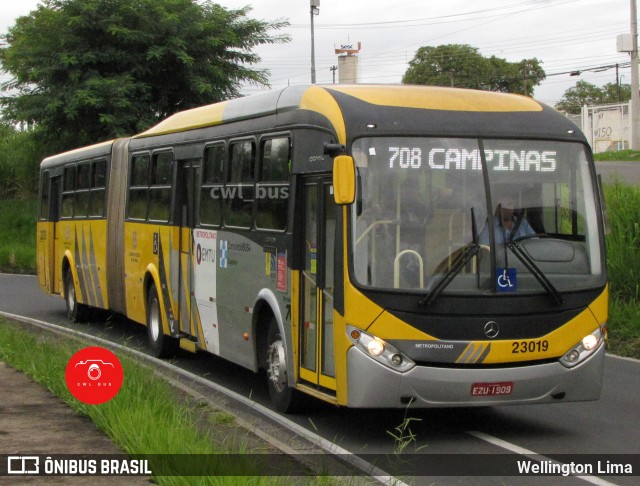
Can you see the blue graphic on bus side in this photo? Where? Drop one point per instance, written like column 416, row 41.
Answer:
column 224, row 253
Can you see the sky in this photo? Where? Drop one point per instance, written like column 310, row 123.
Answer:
column 565, row 35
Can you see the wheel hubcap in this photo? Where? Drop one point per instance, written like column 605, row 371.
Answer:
column 277, row 365
column 71, row 297
column 154, row 320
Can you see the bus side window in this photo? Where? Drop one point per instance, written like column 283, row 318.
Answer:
column 139, row 188
column 272, row 190
column 68, row 190
column 98, row 185
column 160, row 187
column 213, row 177
column 238, row 210
column 83, row 175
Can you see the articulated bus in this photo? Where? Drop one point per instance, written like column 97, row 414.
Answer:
column 340, row 238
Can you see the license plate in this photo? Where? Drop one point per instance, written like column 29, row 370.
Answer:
column 491, row 389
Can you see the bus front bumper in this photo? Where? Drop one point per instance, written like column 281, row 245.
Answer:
column 373, row 385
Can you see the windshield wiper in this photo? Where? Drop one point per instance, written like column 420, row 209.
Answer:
column 469, row 252
column 535, row 271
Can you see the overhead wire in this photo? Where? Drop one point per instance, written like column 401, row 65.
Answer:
column 376, row 62
column 412, row 22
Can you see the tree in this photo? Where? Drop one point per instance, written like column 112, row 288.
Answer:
column 88, row 70
column 463, row 66
column 585, row 93
column 617, row 93
column 20, row 156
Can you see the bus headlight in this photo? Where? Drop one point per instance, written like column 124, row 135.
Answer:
column 375, row 347
column 589, row 342
column 379, row 350
column 583, row 349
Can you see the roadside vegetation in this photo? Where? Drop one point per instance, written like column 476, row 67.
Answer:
column 147, row 416
column 618, row 155
column 18, row 236
column 19, row 161
column 623, row 258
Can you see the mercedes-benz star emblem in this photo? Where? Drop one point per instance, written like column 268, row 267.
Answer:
column 491, row 329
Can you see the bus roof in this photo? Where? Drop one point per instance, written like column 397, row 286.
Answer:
column 321, row 99
column 439, row 98
column 97, row 150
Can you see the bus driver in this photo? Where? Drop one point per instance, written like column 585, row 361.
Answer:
column 507, row 226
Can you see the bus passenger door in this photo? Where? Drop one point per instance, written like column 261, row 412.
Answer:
column 57, row 249
column 47, row 219
column 188, row 172
column 316, row 350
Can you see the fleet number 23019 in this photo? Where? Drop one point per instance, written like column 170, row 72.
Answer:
column 520, row 347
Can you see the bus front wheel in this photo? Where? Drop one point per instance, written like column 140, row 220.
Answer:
column 284, row 398
column 162, row 346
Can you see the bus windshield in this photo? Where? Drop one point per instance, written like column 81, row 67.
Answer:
column 487, row 215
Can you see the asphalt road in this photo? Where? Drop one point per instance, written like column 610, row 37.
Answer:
column 625, row 172
column 586, row 430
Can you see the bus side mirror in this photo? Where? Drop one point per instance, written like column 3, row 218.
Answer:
column 344, row 179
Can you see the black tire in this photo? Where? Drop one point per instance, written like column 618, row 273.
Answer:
column 284, row 398
column 75, row 311
column 162, row 346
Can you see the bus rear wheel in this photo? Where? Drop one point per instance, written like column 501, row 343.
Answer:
column 162, row 346
column 75, row 311
column 284, row 398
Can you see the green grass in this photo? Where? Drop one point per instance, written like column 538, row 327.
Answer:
column 18, row 236
column 146, row 417
column 623, row 241
column 623, row 261
column 624, row 155
column 624, row 328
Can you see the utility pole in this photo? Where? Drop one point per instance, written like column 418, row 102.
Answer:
column 315, row 10
column 618, row 80
column 333, row 69
column 635, row 86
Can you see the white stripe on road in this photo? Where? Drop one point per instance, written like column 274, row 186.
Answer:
column 533, row 455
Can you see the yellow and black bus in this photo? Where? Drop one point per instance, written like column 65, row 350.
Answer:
column 372, row 246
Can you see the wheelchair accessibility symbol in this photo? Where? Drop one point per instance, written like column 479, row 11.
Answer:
column 506, row 279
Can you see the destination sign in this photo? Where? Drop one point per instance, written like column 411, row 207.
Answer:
column 464, row 159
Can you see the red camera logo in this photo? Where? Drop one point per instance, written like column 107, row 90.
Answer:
column 94, row 375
